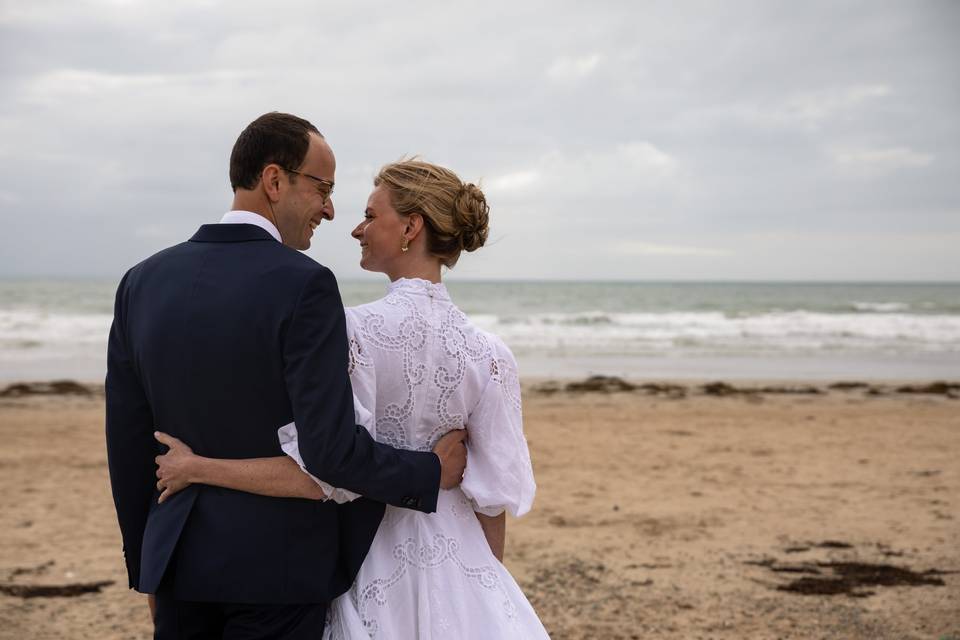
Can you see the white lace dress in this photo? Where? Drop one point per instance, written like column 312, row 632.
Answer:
column 419, row 368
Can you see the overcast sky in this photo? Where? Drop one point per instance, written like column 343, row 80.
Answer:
column 615, row 140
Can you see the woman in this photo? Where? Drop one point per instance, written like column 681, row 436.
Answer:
column 419, row 369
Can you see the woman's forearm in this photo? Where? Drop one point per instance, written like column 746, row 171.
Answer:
column 495, row 531
column 278, row 477
column 152, row 603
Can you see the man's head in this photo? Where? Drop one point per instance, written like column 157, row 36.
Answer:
column 282, row 168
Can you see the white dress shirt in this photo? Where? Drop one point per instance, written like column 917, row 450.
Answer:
column 249, row 217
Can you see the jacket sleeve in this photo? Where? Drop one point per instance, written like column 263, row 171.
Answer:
column 332, row 446
column 130, row 445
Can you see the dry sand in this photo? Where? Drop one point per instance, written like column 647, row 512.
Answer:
column 656, row 517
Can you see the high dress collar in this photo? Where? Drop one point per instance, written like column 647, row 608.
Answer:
column 419, row 286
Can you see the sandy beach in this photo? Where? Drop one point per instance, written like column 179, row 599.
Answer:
column 663, row 511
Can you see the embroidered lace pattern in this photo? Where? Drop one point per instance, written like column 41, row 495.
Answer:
column 412, row 556
column 415, row 320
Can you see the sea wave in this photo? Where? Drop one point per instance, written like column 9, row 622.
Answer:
column 27, row 334
column 880, row 307
column 31, row 334
column 784, row 331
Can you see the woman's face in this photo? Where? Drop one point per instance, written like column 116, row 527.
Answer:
column 380, row 233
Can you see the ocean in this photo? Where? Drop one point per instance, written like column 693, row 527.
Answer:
column 641, row 330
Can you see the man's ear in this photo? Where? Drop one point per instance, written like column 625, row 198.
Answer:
column 270, row 179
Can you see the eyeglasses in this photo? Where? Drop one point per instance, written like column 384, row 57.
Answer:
column 326, row 193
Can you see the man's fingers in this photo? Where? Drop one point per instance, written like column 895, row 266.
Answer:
column 163, row 496
column 160, row 485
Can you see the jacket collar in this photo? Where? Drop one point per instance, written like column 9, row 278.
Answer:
column 225, row 232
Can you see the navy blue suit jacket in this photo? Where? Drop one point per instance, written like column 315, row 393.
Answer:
column 219, row 341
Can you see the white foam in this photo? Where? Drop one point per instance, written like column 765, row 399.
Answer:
column 37, row 335
column 30, row 335
column 881, row 307
column 791, row 331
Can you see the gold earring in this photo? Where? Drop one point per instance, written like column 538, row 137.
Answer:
column 405, row 246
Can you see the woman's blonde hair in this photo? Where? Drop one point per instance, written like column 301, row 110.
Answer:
column 456, row 214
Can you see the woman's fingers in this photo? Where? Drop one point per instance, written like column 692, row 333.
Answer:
column 169, row 465
column 166, row 438
column 170, row 490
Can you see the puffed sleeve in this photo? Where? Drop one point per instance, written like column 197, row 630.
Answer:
column 364, row 395
column 363, row 374
column 499, row 474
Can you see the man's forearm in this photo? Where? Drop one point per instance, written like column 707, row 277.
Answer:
column 332, row 446
column 278, row 477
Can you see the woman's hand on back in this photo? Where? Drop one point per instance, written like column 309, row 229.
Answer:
column 175, row 468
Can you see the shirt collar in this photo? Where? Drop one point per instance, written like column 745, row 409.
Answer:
column 249, row 217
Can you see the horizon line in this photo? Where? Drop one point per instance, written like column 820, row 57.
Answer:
column 494, row 280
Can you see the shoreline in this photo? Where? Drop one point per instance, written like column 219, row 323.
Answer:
column 666, row 387
column 681, row 368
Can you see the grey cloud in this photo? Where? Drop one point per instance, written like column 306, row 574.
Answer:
column 616, row 140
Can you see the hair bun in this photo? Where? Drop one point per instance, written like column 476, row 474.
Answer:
column 471, row 214
column 456, row 214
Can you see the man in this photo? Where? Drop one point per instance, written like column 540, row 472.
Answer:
column 218, row 341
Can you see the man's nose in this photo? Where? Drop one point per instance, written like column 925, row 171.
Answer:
column 328, row 209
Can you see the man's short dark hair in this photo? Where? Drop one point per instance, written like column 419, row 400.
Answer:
column 273, row 138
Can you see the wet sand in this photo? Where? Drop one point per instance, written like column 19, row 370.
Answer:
column 768, row 511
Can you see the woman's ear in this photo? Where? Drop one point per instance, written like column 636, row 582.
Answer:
column 414, row 226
